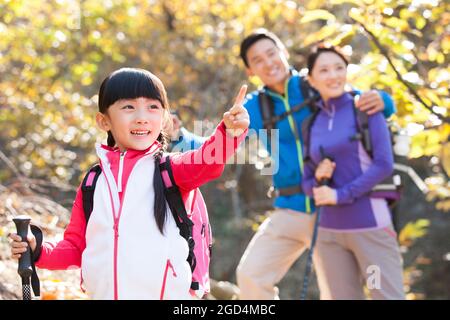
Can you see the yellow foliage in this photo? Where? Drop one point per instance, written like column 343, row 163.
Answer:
column 413, row 231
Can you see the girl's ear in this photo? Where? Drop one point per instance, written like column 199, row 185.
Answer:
column 103, row 121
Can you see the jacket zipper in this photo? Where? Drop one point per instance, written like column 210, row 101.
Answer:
column 163, row 288
column 116, row 218
column 119, row 177
column 331, row 117
column 116, row 224
column 291, row 121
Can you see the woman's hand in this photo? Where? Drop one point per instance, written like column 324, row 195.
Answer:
column 18, row 246
column 324, row 196
column 325, row 169
column 237, row 119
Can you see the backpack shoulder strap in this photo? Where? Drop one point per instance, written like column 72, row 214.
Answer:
column 88, row 188
column 266, row 107
column 308, row 92
column 176, row 205
column 306, row 133
column 311, row 96
column 173, row 195
column 362, row 127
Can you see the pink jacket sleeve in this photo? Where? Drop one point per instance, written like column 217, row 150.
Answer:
column 66, row 254
column 196, row 167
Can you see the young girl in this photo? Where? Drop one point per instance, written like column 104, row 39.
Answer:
column 131, row 248
column 356, row 240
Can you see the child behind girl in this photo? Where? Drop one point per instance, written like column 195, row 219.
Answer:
column 131, row 248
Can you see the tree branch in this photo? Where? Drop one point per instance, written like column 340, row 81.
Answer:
column 10, row 165
column 385, row 53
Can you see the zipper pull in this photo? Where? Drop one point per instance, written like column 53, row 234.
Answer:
column 202, row 232
column 331, row 119
column 119, row 177
column 169, row 264
column 116, row 230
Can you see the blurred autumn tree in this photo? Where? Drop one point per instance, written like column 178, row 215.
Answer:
column 54, row 54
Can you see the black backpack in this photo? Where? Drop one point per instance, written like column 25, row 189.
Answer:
column 267, row 108
column 172, row 195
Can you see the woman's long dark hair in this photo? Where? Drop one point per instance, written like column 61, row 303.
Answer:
column 131, row 83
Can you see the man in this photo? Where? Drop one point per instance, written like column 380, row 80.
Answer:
column 286, row 233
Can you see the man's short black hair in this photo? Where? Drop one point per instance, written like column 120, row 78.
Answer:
column 255, row 36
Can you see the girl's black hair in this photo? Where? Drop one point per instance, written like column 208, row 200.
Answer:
column 321, row 48
column 132, row 83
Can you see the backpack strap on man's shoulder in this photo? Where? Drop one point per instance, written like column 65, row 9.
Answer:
column 266, row 107
column 88, row 188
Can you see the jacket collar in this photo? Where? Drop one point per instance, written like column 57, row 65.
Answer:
column 336, row 102
column 109, row 154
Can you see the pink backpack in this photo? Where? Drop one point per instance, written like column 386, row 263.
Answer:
column 191, row 216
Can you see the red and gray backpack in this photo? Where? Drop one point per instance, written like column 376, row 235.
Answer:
column 194, row 226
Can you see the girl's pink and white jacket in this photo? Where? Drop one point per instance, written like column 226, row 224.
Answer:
column 122, row 254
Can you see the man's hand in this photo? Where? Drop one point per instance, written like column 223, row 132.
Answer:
column 324, row 196
column 237, row 119
column 370, row 102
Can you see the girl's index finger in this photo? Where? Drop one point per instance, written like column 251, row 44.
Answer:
column 241, row 95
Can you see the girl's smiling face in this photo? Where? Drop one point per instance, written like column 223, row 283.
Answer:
column 134, row 123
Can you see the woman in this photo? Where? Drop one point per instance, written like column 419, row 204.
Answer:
column 356, row 240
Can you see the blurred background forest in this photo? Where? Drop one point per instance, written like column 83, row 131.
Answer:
column 54, row 54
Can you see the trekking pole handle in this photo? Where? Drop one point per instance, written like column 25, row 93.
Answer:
column 324, row 181
column 22, row 223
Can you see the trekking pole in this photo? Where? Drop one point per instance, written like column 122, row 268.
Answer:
column 25, row 269
column 323, row 182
